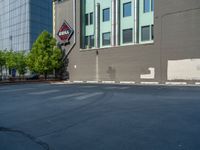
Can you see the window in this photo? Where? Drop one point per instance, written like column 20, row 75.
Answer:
column 152, row 5
column 145, row 33
column 127, row 35
column 106, row 39
column 91, row 18
column 127, row 9
column 86, row 19
column 106, row 14
column 92, row 41
column 152, row 32
column 89, row 41
column 146, row 6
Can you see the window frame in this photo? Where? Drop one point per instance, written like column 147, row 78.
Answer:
column 144, row 6
column 152, row 5
column 149, row 35
column 127, row 42
column 88, row 42
column 152, row 32
column 87, row 19
column 103, row 42
column 91, row 18
column 103, row 16
column 124, row 9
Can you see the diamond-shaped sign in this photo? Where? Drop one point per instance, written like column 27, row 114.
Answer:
column 65, row 32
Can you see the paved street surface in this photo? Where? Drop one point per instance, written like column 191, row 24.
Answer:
column 99, row 117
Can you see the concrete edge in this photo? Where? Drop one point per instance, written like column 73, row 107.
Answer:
column 53, row 82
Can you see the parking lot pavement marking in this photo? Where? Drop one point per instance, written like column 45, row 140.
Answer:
column 68, row 95
column 91, row 81
column 89, row 95
column 78, row 81
column 44, row 92
column 149, row 83
column 108, row 82
column 127, row 82
column 176, row 83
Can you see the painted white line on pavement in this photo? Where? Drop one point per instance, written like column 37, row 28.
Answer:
column 68, row 95
column 127, row 82
column 176, row 83
column 44, row 92
column 150, row 83
column 89, row 95
column 67, row 81
column 108, row 82
column 78, row 81
column 91, row 81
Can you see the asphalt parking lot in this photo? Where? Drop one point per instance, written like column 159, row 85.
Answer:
column 99, row 117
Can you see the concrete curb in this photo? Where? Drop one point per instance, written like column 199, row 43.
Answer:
column 58, row 82
column 185, row 84
column 28, row 82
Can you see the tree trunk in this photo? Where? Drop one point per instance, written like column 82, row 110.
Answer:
column 45, row 76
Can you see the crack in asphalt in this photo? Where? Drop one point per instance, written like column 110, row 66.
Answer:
column 44, row 145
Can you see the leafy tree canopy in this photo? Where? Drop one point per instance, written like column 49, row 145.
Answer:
column 21, row 65
column 2, row 58
column 44, row 56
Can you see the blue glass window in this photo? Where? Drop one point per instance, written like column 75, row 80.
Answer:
column 89, row 41
column 152, row 5
column 146, row 6
column 145, row 35
column 127, row 35
column 91, row 18
column 86, row 20
column 106, row 38
column 127, row 9
column 106, row 14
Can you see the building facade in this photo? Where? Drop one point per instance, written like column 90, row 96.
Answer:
column 21, row 21
column 135, row 41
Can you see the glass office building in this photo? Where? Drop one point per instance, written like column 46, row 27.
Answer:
column 21, row 21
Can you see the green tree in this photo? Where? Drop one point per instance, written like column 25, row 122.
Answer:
column 44, row 56
column 2, row 61
column 10, row 60
column 21, row 65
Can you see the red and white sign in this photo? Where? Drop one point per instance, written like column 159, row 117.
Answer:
column 65, row 32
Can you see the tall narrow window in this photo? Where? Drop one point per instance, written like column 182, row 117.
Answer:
column 127, row 9
column 86, row 19
column 128, row 36
column 146, row 6
column 145, row 33
column 106, row 14
column 106, row 39
column 152, row 32
column 89, row 41
column 86, row 41
column 152, row 5
column 91, row 18
column 92, row 41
